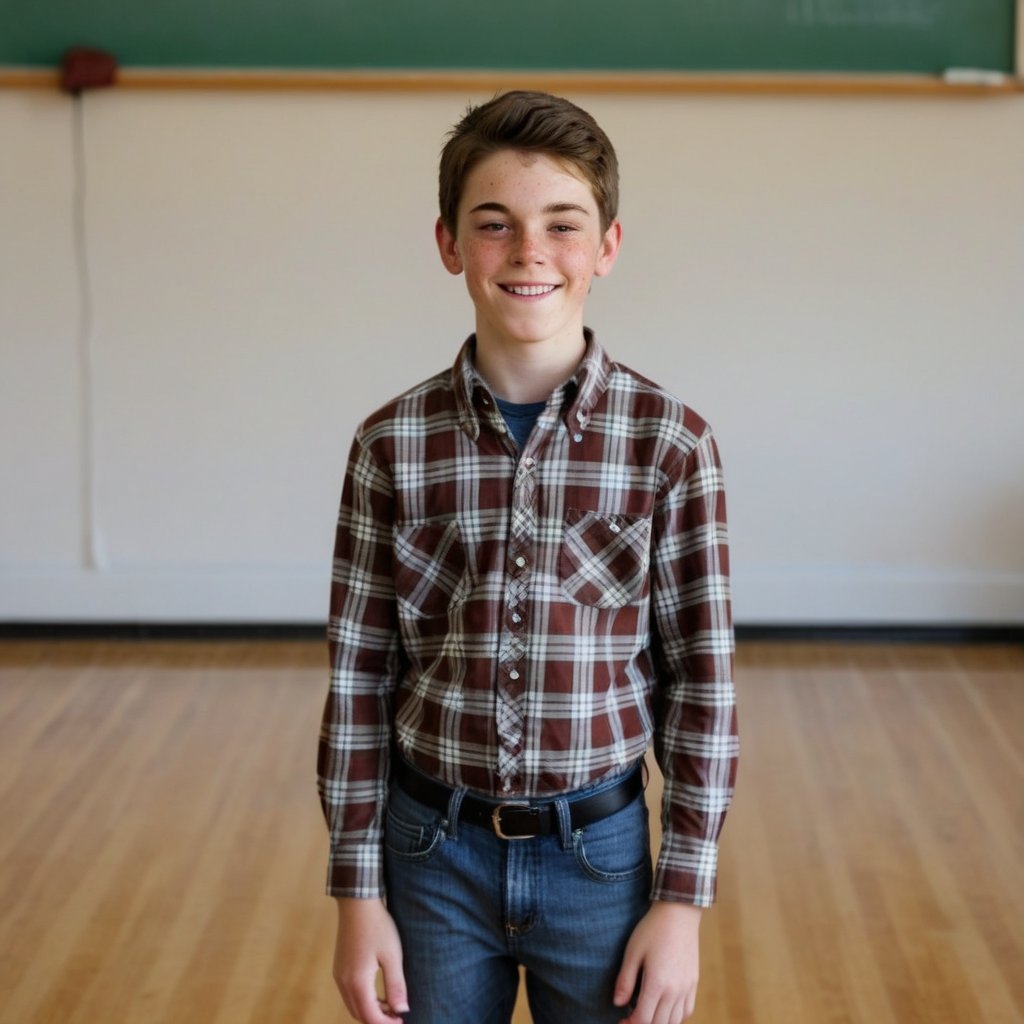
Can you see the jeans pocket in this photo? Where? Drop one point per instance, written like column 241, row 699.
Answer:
column 616, row 848
column 411, row 831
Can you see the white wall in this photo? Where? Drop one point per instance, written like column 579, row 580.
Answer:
column 835, row 283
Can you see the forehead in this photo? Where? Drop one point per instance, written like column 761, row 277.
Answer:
column 512, row 174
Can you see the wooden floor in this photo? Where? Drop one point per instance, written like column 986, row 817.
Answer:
column 162, row 851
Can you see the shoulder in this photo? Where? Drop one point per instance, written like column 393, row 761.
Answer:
column 653, row 408
column 412, row 411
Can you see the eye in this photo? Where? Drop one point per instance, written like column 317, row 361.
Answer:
column 563, row 229
column 493, row 227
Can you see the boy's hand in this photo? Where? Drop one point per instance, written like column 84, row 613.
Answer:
column 664, row 946
column 368, row 940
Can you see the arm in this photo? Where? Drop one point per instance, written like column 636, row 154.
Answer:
column 367, row 941
column 355, row 737
column 695, row 738
column 354, row 755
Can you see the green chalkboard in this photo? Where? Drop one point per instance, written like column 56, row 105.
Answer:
column 873, row 36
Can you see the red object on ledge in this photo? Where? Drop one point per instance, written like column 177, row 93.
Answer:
column 85, row 68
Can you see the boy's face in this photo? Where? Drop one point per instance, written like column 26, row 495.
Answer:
column 529, row 241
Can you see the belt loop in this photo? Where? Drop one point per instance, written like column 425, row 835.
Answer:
column 564, row 823
column 454, row 810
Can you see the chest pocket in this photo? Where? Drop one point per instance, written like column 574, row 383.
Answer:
column 605, row 558
column 429, row 568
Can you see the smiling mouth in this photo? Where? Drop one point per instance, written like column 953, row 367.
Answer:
column 529, row 289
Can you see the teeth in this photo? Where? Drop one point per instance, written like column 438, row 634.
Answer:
column 532, row 289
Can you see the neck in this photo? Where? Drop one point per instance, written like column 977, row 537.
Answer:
column 526, row 373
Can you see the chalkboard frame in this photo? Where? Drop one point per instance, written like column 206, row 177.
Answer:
column 219, row 80
column 627, row 81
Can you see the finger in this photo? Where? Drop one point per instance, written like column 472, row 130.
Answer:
column 674, row 1012
column 375, row 1013
column 625, row 983
column 366, row 1007
column 690, row 1003
column 395, row 993
column 390, row 1015
column 344, row 988
column 670, row 1011
column 646, row 1007
column 349, row 1006
column 657, row 1004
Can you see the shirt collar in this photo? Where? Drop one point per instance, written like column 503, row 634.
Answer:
column 579, row 394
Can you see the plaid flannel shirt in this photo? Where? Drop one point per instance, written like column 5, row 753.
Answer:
column 525, row 623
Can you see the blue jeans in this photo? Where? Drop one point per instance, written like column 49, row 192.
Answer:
column 471, row 907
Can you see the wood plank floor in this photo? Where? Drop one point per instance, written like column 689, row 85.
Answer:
column 161, row 847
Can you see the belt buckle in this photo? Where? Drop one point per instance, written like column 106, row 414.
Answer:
column 496, row 819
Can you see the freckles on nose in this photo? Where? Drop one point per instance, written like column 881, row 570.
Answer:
column 527, row 249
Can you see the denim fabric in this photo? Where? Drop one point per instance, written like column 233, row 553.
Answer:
column 470, row 908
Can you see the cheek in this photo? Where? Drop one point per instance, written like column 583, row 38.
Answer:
column 580, row 264
column 479, row 259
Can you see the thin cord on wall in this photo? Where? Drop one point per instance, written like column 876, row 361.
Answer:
column 92, row 553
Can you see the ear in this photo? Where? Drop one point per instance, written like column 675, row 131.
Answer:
column 448, row 247
column 609, row 249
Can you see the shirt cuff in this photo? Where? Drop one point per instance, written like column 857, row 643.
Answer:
column 356, row 871
column 687, row 871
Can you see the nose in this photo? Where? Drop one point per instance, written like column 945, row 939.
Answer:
column 528, row 248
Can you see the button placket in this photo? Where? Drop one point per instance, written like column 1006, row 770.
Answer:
column 577, row 424
column 511, row 681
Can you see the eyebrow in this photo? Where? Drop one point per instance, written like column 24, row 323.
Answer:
column 550, row 208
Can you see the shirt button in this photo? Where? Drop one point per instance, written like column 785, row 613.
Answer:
column 521, row 562
column 529, row 463
column 614, row 527
column 513, row 674
column 516, row 617
column 577, row 438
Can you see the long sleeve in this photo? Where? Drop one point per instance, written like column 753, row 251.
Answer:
column 695, row 736
column 355, row 735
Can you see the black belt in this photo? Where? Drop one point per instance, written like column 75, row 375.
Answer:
column 519, row 819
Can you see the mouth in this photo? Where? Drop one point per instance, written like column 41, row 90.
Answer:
column 528, row 290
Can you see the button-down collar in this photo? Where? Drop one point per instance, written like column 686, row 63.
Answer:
column 578, row 395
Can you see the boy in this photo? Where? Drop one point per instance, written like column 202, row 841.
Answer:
column 530, row 584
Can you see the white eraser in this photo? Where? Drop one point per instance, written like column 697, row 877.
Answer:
column 973, row 76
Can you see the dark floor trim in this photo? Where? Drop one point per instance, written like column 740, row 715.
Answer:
column 162, row 631
column 887, row 633
column 898, row 633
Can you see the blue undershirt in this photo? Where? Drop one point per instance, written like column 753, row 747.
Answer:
column 520, row 417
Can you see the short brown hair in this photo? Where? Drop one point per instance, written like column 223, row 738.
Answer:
column 534, row 122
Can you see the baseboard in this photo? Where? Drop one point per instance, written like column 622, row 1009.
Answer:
column 944, row 633
column 888, row 633
column 162, row 631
